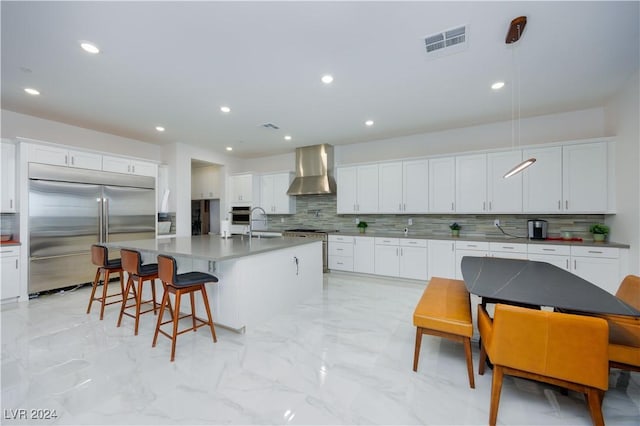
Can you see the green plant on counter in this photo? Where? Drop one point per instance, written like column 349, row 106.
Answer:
column 454, row 226
column 599, row 228
column 362, row 225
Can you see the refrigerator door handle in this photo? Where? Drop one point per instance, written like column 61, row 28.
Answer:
column 106, row 219
column 100, row 216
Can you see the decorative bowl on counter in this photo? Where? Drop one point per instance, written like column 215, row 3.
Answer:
column 566, row 235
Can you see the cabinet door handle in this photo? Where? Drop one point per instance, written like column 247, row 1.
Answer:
column 547, row 249
column 404, row 207
column 339, row 249
column 484, row 205
column 490, row 208
column 567, row 264
column 400, row 206
column 595, row 251
column 453, row 247
column 559, row 205
column 575, row 265
column 401, row 251
column 508, row 248
column 16, row 263
column 73, row 160
column 451, row 206
column 472, row 245
column 397, row 252
column 566, row 204
column 11, row 203
column 66, row 160
column 133, row 169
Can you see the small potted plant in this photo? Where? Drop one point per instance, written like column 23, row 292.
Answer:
column 455, row 229
column 599, row 232
column 362, row 225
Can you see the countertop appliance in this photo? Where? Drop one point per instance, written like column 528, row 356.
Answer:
column 317, row 234
column 537, row 229
column 71, row 209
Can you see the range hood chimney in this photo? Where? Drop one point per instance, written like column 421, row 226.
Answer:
column 314, row 171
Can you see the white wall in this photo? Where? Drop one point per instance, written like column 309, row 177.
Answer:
column 21, row 125
column 622, row 119
column 567, row 126
column 178, row 156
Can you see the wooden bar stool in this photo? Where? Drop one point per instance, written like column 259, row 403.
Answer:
column 106, row 266
column 132, row 264
column 179, row 284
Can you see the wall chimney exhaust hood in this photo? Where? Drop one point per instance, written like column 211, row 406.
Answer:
column 314, row 171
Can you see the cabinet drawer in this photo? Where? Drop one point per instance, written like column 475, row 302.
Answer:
column 340, row 239
column 10, row 251
column 508, row 247
column 412, row 242
column 549, row 249
column 609, row 252
column 472, row 245
column 341, row 263
column 387, row 241
column 340, row 249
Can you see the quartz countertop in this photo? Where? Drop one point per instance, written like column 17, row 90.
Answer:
column 10, row 243
column 497, row 239
column 213, row 247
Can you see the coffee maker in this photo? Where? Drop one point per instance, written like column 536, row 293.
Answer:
column 537, row 229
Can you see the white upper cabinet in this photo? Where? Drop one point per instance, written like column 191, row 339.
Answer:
column 442, row 185
column 415, row 186
column 273, row 194
column 8, row 178
column 471, row 183
column 504, row 195
column 403, row 187
column 357, row 189
column 48, row 154
column 542, row 182
column 584, row 177
column 390, row 187
column 241, row 188
column 128, row 166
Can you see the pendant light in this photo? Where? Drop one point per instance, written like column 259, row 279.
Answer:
column 513, row 35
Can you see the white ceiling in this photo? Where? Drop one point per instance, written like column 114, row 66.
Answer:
column 175, row 63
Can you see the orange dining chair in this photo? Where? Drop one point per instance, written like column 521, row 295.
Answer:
column 624, row 331
column 561, row 349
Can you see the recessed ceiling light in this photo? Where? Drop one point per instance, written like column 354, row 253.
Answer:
column 160, row 128
column 369, row 122
column 229, row 148
column 287, row 138
column 31, row 91
column 497, row 85
column 89, row 47
column 225, row 109
column 327, row 79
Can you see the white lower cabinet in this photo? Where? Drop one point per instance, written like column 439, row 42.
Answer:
column 9, row 272
column 557, row 255
column 387, row 257
column 340, row 253
column 401, row 257
column 598, row 265
column 413, row 259
column 441, row 255
column 469, row 248
column 508, row 250
column 364, row 255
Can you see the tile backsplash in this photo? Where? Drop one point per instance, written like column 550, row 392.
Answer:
column 319, row 211
column 10, row 224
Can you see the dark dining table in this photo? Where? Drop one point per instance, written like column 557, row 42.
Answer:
column 535, row 284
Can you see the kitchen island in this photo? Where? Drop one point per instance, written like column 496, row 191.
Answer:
column 258, row 277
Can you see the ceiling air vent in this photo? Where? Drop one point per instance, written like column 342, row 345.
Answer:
column 446, row 42
column 270, row 126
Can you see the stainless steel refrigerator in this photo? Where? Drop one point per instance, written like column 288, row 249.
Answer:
column 71, row 209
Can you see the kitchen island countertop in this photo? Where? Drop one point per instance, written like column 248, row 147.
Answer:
column 213, row 247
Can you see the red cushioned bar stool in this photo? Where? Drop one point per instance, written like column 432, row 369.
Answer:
column 138, row 273
column 106, row 266
column 179, row 284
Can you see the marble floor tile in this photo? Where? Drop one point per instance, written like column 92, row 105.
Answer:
column 344, row 357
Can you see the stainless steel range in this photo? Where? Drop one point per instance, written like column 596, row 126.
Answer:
column 317, row 234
